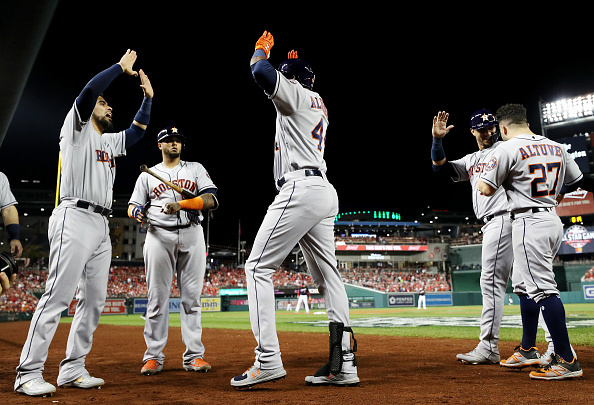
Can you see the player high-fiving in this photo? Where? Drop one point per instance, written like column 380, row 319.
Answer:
column 302, row 212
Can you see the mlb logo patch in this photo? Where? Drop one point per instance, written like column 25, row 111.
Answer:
column 589, row 292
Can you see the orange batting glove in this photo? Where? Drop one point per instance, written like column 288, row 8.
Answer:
column 293, row 55
column 265, row 43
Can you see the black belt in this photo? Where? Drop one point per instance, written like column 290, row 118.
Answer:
column 512, row 215
column 308, row 172
column 490, row 217
column 175, row 228
column 96, row 208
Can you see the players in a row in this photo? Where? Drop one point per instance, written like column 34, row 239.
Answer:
column 80, row 246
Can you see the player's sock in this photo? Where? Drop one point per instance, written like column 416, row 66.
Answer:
column 530, row 311
column 553, row 313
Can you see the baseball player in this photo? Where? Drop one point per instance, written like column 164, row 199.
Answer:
column 497, row 257
column 496, row 262
column 422, row 299
column 174, row 246
column 302, row 212
column 80, row 246
column 10, row 218
column 532, row 169
column 303, row 296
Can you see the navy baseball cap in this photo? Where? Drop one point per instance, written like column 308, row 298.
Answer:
column 170, row 131
column 482, row 118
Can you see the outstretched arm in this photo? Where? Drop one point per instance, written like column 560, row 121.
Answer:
column 264, row 73
column 141, row 120
column 439, row 130
column 86, row 100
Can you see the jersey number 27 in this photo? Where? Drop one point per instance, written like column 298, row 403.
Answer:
column 534, row 185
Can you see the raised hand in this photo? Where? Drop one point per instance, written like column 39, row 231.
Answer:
column 127, row 62
column 145, row 84
column 440, row 125
column 265, row 43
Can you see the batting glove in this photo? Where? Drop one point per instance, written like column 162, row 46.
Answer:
column 135, row 212
column 265, row 43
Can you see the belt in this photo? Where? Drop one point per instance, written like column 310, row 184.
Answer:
column 175, row 228
column 513, row 214
column 95, row 208
column 307, row 172
column 490, row 217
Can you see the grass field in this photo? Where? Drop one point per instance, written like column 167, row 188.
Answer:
column 579, row 316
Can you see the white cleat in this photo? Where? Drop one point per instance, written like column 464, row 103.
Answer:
column 37, row 387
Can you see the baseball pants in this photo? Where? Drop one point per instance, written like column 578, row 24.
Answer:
column 302, row 213
column 302, row 300
column 537, row 238
column 497, row 261
column 182, row 253
column 80, row 254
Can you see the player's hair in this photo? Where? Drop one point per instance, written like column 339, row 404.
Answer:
column 512, row 114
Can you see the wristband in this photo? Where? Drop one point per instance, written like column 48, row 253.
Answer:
column 437, row 152
column 14, row 231
column 195, row 203
column 144, row 113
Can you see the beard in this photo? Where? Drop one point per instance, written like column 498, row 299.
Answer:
column 173, row 155
column 104, row 122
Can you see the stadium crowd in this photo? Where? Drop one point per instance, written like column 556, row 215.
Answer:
column 403, row 280
column 129, row 281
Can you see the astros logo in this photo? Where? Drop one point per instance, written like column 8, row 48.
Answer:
column 492, row 164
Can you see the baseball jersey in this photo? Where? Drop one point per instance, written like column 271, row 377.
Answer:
column 303, row 291
column 532, row 169
column 299, row 111
column 191, row 176
column 6, row 197
column 469, row 168
column 88, row 160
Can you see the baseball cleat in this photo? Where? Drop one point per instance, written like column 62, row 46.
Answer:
column 37, row 387
column 197, row 365
column 151, row 367
column 341, row 379
column 85, row 381
column 522, row 358
column 474, row 357
column 347, row 377
column 254, row 375
column 558, row 369
column 547, row 356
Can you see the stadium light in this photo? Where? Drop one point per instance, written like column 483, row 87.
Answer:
column 567, row 111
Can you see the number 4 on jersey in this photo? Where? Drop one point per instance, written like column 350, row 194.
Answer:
column 318, row 133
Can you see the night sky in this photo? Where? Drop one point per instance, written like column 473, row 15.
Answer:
column 382, row 76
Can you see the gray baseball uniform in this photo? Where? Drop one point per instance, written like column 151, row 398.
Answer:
column 302, row 213
column 80, row 248
column 174, row 246
column 6, row 197
column 497, row 255
column 532, row 169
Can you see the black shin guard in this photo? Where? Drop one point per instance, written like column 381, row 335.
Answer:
column 334, row 364
column 336, row 329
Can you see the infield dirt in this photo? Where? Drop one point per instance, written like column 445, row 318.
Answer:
column 393, row 370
